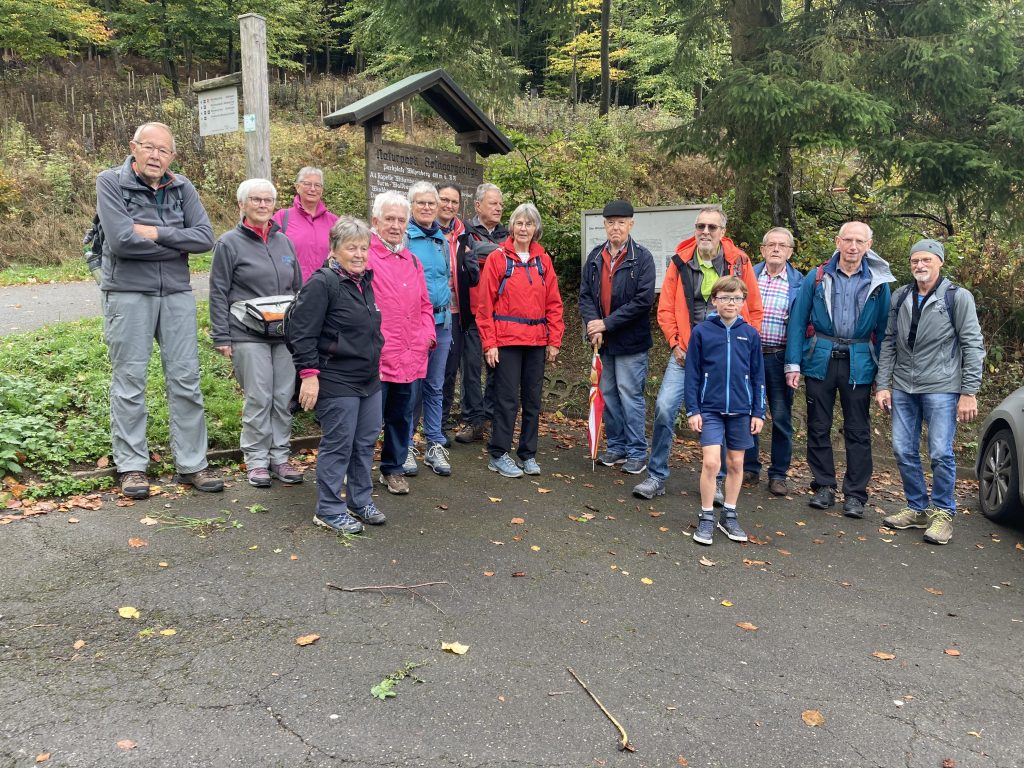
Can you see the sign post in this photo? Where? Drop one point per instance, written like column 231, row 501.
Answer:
column 253, row 30
column 218, row 111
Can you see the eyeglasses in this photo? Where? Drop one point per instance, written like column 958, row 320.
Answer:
column 261, row 200
column 729, row 299
column 150, row 149
column 448, row 201
column 425, row 203
column 853, row 241
column 769, row 246
column 701, row 226
column 311, row 184
column 924, row 260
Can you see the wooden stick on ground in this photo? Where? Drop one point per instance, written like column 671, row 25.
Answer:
column 409, row 587
column 624, row 743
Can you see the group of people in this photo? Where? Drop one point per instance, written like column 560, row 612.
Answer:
column 387, row 315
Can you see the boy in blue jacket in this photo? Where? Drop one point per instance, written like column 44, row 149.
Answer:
column 724, row 395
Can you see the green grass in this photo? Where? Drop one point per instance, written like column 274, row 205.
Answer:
column 74, row 270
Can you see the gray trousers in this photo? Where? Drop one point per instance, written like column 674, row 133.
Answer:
column 349, row 428
column 267, row 376
column 130, row 323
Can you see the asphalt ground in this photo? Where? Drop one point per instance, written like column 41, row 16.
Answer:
column 567, row 587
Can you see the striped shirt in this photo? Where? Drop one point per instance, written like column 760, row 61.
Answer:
column 775, row 300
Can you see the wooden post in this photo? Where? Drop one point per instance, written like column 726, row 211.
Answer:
column 253, row 33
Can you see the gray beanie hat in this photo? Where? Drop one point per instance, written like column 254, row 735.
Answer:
column 929, row 246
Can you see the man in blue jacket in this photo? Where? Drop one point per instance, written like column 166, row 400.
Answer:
column 779, row 283
column 835, row 332
column 616, row 296
column 152, row 220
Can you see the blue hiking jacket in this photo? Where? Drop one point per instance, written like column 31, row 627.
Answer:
column 435, row 256
column 793, row 277
column 724, row 369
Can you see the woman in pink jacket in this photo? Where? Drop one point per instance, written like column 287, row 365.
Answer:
column 407, row 321
column 307, row 222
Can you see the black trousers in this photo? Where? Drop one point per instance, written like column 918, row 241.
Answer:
column 518, row 378
column 856, row 404
column 451, row 371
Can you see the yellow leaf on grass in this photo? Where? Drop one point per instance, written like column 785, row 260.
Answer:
column 727, row 603
column 457, row 648
column 884, row 656
column 168, row 632
column 78, row 645
column 746, row 625
column 128, row 612
column 812, row 717
column 306, row 639
column 646, row 580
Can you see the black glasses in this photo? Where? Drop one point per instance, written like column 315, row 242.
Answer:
column 700, row 227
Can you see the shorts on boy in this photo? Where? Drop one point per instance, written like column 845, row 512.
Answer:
column 729, row 429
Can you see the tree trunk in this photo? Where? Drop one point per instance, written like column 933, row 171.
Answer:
column 606, row 83
column 783, row 210
column 113, row 43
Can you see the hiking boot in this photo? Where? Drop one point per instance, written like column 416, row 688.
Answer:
column 610, row 459
column 649, row 488
column 471, row 433
column 705, row 530
column 437, row 459
column 778, row 487
column 729, row 525
column 135, row 485
column 504, row 466
column 369, row 514
column 940, row 530
column 719, row 494
column 853, row 508
column 634, row 466
column 409, row 468
column 338, row 523
column 750, row 479
column 396, row 484
column 204, row 480
column 823, row 498
column 258, row 477
column 287, row 473
column 531, row 467
column 907, row 518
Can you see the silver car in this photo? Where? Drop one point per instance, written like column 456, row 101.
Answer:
column 999, row 463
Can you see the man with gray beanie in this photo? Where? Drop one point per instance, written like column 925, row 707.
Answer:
column 929, row 371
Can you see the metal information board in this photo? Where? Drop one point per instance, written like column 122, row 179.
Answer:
column 218, row 111
column 391, row 166
column 659, row 230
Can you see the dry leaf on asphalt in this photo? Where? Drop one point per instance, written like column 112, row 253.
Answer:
column 535, row 548
column 148, row 521
column 812, row 717
column 128, row 612
column 726, row 603
column 517, row 574
column 654, row 513
column 488, row 573
column 135, row 542
column 933, row 591
column 306, row 639
column 73, row 520
column 457, row 648
column 884, row 656
column 78, row 645
column 663, row 529
column 748, row 561
column 162, row 564
column 126, row 744
column 42, row 757
column 951, row 652
column 543, row 490
column 707, row 562
column 494, row 499
column 746, row 625
column 168, row 632
column 647, row 581
column 517, row 521
column 949, row 763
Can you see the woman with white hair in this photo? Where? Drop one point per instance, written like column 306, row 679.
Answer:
column 521, row 326
column 307, row 222
column 252, row 261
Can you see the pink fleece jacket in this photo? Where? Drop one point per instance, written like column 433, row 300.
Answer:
column 406, row 314
column 309, row 234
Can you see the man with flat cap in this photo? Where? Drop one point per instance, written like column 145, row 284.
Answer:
column 929, row 371
column 616, row 296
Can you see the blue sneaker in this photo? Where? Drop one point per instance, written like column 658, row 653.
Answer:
column 338, row 523
column 504, row 466
column 531, row 467
column 369, row 514
column 634, row 466
column 611, row 458
column 729, row 525
column 705, row 530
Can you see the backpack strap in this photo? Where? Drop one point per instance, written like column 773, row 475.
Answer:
column 819, row 275
column 949, row 298
column 510, row 266
column 284, row 222
column 680, row 266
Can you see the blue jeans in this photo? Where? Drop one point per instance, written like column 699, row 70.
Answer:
column 666, row 409
column 908, row 413
column 780, row 405
column 429, row 391
column 396, row 407
column 623, row 379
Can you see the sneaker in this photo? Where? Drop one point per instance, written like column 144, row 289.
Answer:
column 258, row 477
column 719, row 494
column 778, row 487
column 531, row 467
column 396, row 484
column 135, row 485
column 940, row 531
column 610, row 459
column 729, row 525
column 907, row 518
column 853, row 508
column 409, row 468
column 751, row 479
column 338, row 523
column 437, row 459
column 705, row 530
column 204, row 480
column 649, row 488
column 823, row 498
column 471, row 433
column 369, row 514
column 635, row 466
column 286, row 473
column 504, row 466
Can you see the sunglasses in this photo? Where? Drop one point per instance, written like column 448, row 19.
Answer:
column 701, row 227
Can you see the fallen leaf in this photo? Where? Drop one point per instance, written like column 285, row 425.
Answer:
column 933, row 591
column 646, row 580
column 784, row 552
column 845, row 584
column 517, row 520
column 457, row 648
column 1019, row 547
column 78, row 645
column 168, row 632
column 73, row 520
column 812, row 717
column 949, row 763
column 746, row 625
column 683, row 761
column 494, row 499
column 535, row 548
column 148, row 521
column 818, row 541
column 951, row 652
column 517, row 574
column 707, row 562
column 543, row 490
column 488, row 573
column 655, row 514
column 294, row 557
column 884, row 656
column 726, row 603
column 162, row 564
column 748, row 561
column 975, row 734
column 135, row 542
column 254, row 547
column 128, row 612
column 42, row 757
column 663, row 529
column 126, row 744
column 801, row 523
column 306, row 639
column 442, row 507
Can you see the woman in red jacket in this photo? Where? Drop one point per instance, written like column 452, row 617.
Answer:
column 520, row 324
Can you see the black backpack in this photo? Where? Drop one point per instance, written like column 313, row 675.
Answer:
column 286, row 322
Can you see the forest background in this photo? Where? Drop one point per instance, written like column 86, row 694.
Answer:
column 802, row 113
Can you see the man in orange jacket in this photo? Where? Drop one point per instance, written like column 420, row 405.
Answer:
column 685, row 301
